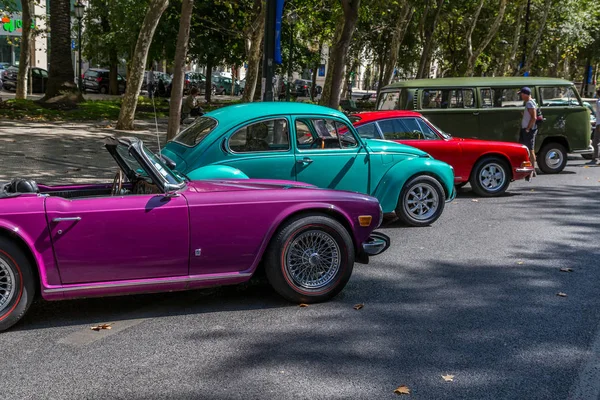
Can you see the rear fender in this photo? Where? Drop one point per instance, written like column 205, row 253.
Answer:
column 216, row 172
column 391, row 184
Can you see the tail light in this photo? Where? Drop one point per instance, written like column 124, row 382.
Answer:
column 98, row 79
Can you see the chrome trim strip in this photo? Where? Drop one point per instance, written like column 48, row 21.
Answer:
column 528, row 169
column 165, row 281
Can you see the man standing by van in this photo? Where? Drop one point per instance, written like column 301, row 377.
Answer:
column 528, row 124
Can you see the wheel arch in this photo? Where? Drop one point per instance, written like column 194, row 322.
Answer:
column 312, row 209
column 24, row 246
column 555, row 139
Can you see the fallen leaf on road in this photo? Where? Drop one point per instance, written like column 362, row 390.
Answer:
column 101, row 327
column 587, row 177
column 520, row 262
column 586, row 166
column 566, row 270
column 302, row 305
column 532, row 190
column 402, row 390
column 561, row 294
column 448, row 378
column 358, row 306
column 474, row 200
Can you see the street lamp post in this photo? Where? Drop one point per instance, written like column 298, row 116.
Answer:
column 292, row 18
column 79, row 10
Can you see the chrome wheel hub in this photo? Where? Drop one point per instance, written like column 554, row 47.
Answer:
column 492, row 177
column 313, row 259
column 7, row 284
column 422, row 201
column 554, row 158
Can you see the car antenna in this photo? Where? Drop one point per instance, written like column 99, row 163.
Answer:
column 156, row 124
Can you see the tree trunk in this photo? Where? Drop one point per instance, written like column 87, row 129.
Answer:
column 26, row 48
column 254, row 51
column 258, row 88
column 208, row 83
column 424, row 65
column 382, row 58
column 138, row 63
column 233, row 76
column 397, row 38
column 313, row 86
column 538, row 37
column 337, row 55
column 113, row 72
column 472, row 56
column 181, row 49
column 61, row 85
column 516, row 40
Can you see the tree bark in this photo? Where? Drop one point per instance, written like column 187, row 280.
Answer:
column 423, row 71
column 28, row 7
column 61, row 87
column 233, row 77
column 254, row 50
column 538, row 37
column 337, row 54
column 208, row 83
column 183, row 37
column 397, row 38
column 381, row 71
column 472, row 56
column 138, row 63
column 113, row 72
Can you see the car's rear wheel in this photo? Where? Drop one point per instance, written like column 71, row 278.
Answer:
column 17, row 287
column 490, row 177
column 421, row 201
column 310, row 259
column 103, row 89
column 552, row 158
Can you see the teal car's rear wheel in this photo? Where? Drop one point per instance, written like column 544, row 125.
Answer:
column 421, row 201
column 310, row 259
column 16, row 284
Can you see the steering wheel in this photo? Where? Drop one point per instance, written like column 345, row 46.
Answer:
column 117, row 183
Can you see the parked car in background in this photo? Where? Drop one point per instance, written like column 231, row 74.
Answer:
column 70, row 241
column 314, row 144
column 3, row 68
column 98, row 80
column 223, row 85
column 39, row 78
column 302, row 88
column 491, row 109
column 242, row 85
column 197, row 80
column 489, row 166
column 163, row 90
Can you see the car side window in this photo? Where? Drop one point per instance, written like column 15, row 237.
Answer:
column 44, row 73
column 447, row 98
column 270, row 135
column 426, row 130
column 501, row 97
column 36, row 73
column 368, row 131
column 324, row 134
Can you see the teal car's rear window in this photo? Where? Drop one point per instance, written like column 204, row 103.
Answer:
column 196, row 132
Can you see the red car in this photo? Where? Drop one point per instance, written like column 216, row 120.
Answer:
column 488, row 166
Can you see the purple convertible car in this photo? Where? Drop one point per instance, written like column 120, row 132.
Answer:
column 153, row 230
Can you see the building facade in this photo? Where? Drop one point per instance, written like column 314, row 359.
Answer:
column 11, row 28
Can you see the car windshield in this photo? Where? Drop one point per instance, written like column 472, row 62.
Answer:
column 157, row 164
column 444, row 134
column 196, row 132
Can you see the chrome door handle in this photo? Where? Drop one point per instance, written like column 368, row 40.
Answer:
column 305, row 161
column 66, row 219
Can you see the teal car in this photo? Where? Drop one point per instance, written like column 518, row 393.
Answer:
column 316, row 145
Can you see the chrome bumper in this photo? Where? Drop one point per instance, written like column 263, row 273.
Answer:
column 523, row 170
column 589, row 150
column 377, row 243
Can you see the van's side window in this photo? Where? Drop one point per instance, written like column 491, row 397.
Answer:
column 447, row 98
column 501, row 97
column 389, row 101
column 559, row 96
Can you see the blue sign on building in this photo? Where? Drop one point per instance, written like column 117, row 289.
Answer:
column 322, row 70
column 73, row 44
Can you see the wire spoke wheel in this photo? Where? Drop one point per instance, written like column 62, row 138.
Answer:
column 7, row 284
column 313, row 259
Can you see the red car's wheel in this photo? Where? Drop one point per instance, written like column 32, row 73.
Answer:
column 490, row 177
column 310, row 259
column 17, row 287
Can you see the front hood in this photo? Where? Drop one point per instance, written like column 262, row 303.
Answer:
column 386, row 146
column 228, row 185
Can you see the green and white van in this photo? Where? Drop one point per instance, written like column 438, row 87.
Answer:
column 491, row 109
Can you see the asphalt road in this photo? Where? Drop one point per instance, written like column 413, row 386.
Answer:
column 474, row 296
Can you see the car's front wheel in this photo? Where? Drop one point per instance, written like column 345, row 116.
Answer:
column 310, row 259
column 490, row 177
column 17, row 287
column 421, row 201
column 552, row 158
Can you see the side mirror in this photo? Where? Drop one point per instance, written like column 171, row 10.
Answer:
column 168, row 162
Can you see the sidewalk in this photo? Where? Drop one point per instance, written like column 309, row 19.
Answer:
column 65, row 152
